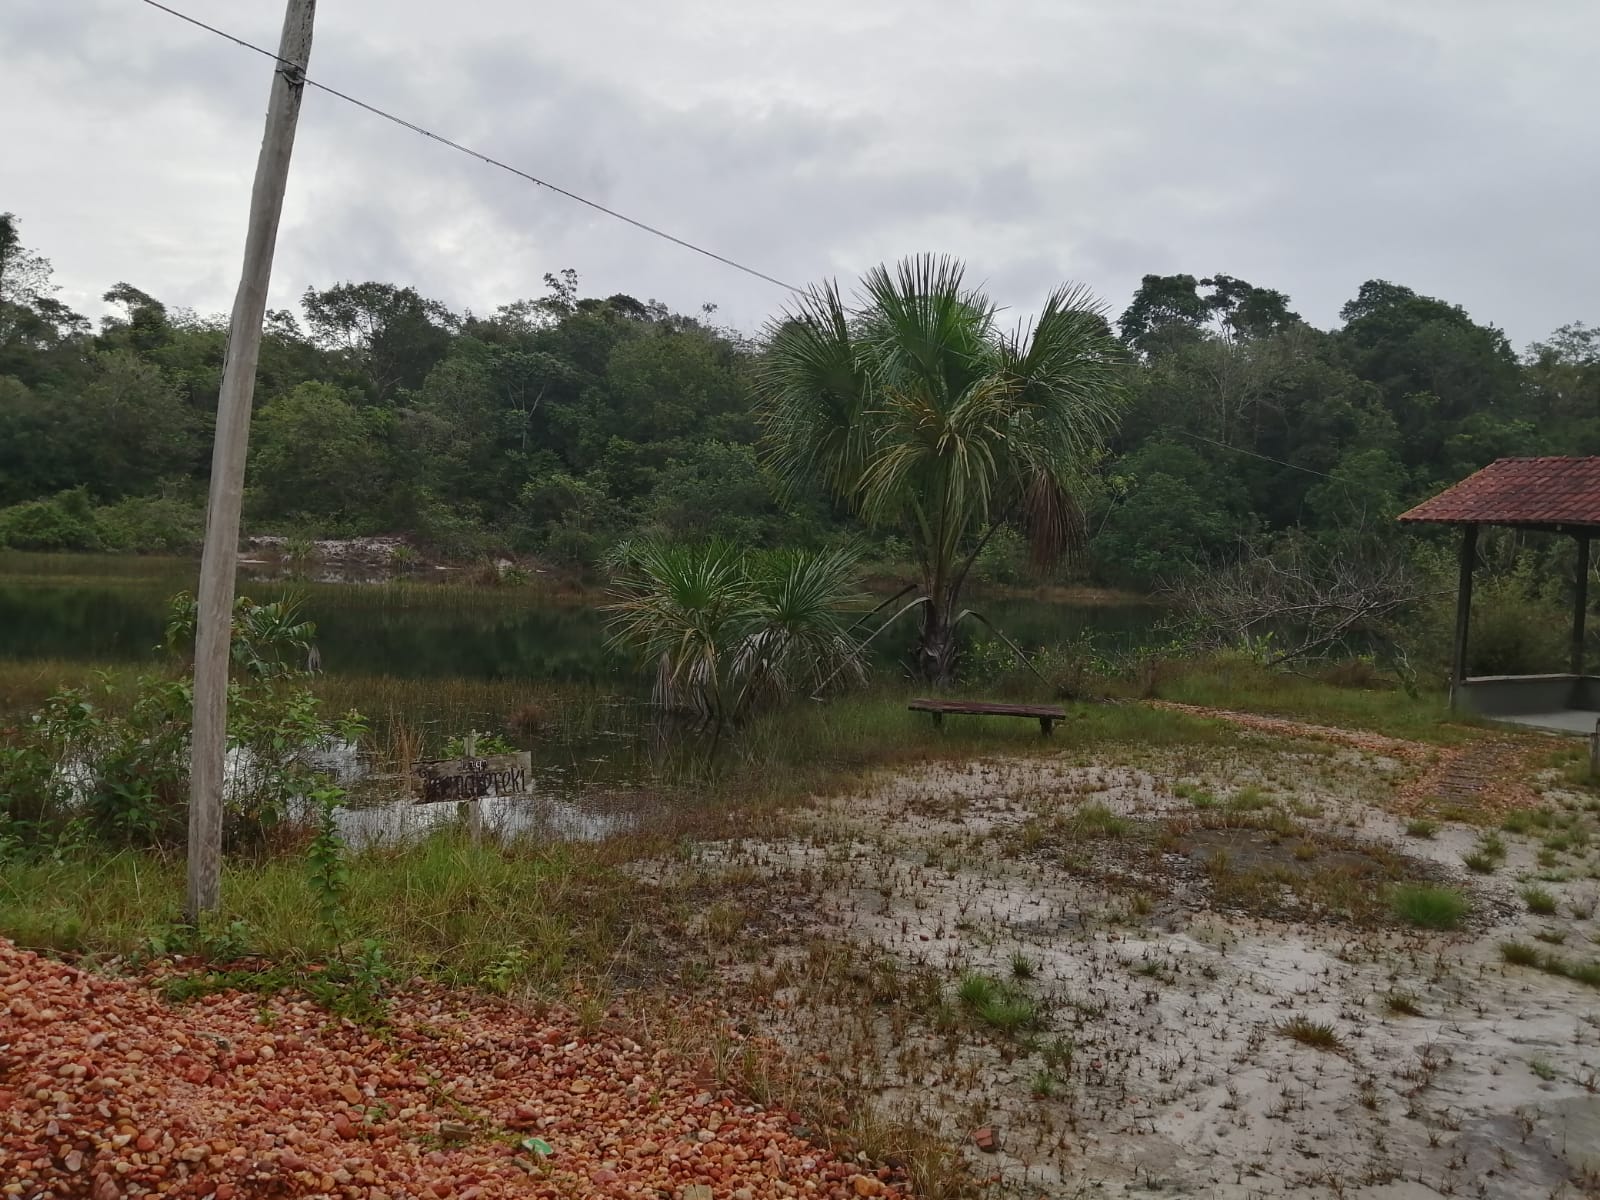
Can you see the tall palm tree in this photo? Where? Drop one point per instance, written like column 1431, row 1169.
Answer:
column 916, row 408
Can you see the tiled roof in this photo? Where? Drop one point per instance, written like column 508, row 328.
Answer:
column 1520, row 491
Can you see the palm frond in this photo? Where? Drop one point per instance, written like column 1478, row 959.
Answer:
column 813, row 390
column 917, row 410
column 725, row 630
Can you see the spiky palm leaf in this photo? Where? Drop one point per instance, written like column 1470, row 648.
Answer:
column 799, row 639
column 726, row 631
column 676, row 609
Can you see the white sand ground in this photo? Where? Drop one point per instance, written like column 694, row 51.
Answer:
column 1180, row 1080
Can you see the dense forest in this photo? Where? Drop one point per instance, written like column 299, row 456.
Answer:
column 559, row 426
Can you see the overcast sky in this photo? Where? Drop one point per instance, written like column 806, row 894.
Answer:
column 1308, row 145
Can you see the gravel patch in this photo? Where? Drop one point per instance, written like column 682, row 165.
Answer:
column 106, row 1092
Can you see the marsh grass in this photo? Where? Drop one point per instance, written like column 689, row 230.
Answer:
column 1319, row 1035
column 1429, row 907
column 1539, row 901
column 441, row 907
column 998, row 1005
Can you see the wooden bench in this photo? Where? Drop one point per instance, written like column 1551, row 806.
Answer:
column 1046, row 714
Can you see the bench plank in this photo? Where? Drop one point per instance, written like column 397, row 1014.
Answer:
column 985, row 708
column 1046, row 714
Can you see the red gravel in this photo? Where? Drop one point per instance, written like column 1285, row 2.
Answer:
column 1359, row 739
column 1490, row 772
column 106, row 1091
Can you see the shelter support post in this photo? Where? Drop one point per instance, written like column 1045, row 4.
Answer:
column 1469, row 553
column 1580, row 603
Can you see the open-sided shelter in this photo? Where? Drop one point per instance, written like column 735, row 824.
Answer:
column 1549, row 495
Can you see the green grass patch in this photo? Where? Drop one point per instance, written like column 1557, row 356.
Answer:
column 996, row 1004
column 1526, row 820
column 1234, row 682
column 1403, row 1004
column 1427, row 906
column 1095, row 821
column 1319, row 1035
column 1519, row 954
column 440, row 906
column 1539, row 901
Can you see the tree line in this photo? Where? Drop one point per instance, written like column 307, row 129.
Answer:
column 564, row 426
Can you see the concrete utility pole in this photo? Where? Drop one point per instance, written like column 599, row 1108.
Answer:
column 219, row 562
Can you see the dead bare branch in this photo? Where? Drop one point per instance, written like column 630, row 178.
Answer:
column 1310, row 599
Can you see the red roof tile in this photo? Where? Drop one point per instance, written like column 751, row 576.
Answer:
column 1520, row 491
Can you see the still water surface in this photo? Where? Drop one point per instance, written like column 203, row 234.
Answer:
column 590, row 775
column 106, row 609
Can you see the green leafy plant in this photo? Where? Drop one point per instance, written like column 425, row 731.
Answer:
column 329, row 874
column 482, row 744
column 727, row 631
column 117, row 758
column 501, row 974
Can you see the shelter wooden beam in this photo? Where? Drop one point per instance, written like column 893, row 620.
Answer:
column 1580, row 603
column 1469, row 554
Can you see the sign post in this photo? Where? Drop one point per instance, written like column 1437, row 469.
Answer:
column 473, row 779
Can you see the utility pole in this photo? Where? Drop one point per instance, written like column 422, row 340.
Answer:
column 219, row 561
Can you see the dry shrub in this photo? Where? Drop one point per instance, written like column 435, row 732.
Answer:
column 530, row 719
column 1354, row 673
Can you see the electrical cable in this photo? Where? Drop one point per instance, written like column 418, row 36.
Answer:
column 467, row 150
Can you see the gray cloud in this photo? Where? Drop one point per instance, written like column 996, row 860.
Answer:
column 1446, row 144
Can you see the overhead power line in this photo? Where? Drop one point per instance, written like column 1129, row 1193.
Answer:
column 1263, row 457
column 479, row 155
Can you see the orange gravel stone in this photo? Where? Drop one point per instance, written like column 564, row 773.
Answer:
column 110, row 1093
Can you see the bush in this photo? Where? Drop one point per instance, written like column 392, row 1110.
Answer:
column 120, row 765
column 1516, row 628
column 1004, row 559
column 149, row 525
column 64, row 522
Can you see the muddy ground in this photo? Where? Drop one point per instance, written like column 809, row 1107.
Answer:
column 1190, row 978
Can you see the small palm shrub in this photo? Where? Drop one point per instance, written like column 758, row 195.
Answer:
column 728, row 631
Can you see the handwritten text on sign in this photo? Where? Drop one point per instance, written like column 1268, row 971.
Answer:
column 474, row 778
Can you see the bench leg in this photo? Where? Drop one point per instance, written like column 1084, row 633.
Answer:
column 1047, row 726
column 938, row 720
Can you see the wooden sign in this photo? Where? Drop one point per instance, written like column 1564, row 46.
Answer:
column 474, row 778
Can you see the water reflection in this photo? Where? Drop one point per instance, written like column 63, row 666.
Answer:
column 51, row 610
column 592, row 757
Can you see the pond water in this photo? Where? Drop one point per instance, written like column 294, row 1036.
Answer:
column 470, row 656
column 104, row 609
